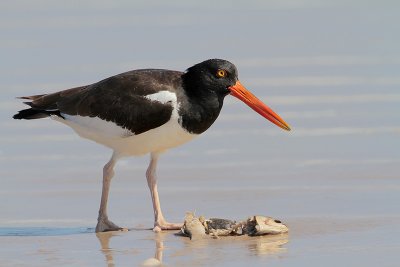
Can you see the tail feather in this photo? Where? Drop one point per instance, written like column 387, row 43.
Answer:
column 45, row 105
column 28, row 103
column 32, row 97
column 36, row 111
column 31, row 114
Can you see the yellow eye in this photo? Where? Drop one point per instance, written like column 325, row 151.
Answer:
column 221, row 73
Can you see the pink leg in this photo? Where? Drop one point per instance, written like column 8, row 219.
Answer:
column 103, row 223
column 159, row 221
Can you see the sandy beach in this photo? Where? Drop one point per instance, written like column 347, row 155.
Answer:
column 356, row 242
column 355, row 226
column 331, row 70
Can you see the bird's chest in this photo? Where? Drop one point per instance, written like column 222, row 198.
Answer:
column 168, row 135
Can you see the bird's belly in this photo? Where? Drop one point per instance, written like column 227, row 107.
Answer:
column 125, row 143
column 166, row 136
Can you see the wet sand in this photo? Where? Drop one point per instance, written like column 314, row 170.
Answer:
column 312, row 241
column 352, row 237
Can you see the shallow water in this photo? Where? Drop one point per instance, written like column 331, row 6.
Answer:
column 312, row 240
column 330, row 70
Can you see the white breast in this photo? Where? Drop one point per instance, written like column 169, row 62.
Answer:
column 123, row 141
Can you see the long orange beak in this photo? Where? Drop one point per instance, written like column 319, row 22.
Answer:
column 239, row 91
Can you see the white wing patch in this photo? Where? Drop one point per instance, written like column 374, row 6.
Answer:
column 163, row 97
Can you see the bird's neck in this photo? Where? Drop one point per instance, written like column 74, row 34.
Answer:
column 198, row 112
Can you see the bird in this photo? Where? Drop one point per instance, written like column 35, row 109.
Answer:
column 146, row 111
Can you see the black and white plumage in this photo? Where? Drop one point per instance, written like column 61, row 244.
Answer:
column 146, row 111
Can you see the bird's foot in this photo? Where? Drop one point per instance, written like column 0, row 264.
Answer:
column 164, row 225
column 105, row 225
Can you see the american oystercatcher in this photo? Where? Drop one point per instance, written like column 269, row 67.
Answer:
column 146, row 111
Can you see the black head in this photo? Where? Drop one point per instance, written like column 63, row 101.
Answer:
column 212, row 75
column 211, row 80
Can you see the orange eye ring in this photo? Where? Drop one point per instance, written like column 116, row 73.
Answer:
column 221, row 73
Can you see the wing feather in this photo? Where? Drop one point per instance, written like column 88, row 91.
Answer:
column 120, row 99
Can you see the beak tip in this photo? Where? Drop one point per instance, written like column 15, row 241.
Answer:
column 285, row 127
column 240, row 92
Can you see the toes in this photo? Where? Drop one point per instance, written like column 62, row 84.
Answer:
column 108, row 226
column 157, row 229
column 166, row 226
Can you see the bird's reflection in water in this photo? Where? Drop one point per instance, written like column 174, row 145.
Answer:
column 199, row 250
column 104, row 239
column 158, row 254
